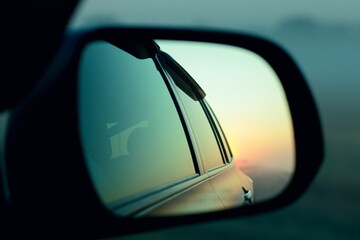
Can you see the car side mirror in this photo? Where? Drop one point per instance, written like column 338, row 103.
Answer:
column 144, row 135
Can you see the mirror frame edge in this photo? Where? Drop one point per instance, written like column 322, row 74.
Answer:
column 306, row 122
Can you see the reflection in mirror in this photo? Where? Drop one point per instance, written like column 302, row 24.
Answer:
column 154, row 145
column 250, row 103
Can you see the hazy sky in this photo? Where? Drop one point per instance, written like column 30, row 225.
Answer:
column 247, row 97
column 213, row 13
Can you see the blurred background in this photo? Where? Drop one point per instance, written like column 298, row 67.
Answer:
column 324, row 39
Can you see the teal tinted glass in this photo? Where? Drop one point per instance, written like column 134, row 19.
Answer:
column 220, row 131
column 131, row 132
column 204, row 134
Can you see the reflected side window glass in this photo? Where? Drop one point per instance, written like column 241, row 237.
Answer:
column 131, row 132
column 204, row 134
column 220, row 131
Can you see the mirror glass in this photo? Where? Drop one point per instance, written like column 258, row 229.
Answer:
column 198, row 127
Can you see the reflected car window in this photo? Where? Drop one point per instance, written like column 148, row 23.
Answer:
column 131, row 132
column 204, row 135
column 220, row 131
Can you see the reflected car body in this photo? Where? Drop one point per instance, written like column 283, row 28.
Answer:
column 140, row 161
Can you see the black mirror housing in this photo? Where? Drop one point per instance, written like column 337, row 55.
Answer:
column 53, row 174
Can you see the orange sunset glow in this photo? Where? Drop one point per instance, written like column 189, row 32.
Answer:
column 247, row 97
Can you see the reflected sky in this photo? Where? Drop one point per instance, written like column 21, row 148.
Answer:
column 233, row 14
column 247, row 98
